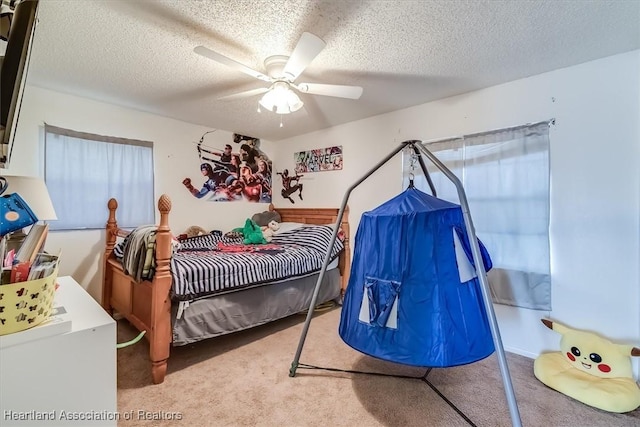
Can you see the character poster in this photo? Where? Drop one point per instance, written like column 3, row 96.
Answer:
column 291, row 185
column 318, row 160
column 236, row 171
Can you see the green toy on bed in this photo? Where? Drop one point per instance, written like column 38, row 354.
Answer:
column 251, row 232
column 590, row 369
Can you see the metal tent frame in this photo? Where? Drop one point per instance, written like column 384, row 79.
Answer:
column 418, row 147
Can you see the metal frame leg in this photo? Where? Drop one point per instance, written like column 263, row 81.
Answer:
column 314, row 298
column 482, row 276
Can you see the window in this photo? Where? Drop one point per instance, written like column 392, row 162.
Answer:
column 83, row 171
column 505, row 175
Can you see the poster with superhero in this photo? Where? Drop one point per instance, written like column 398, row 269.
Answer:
column 238, row 172
column 291, row 185
column 318, row 160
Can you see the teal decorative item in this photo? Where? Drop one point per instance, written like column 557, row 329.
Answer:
column 252, row 233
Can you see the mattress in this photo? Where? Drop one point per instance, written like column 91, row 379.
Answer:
column 213, row 264
column 235, row 311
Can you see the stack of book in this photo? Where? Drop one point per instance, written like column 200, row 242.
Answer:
column 28, row 262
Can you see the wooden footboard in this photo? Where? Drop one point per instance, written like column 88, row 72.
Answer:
column 147, row 305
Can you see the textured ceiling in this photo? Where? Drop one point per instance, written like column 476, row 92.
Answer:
column 139, row 54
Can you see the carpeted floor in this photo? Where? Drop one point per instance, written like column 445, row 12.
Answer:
column 243, row 379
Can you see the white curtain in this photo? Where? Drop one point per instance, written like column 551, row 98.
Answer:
column 505, row 174
column 83, row 171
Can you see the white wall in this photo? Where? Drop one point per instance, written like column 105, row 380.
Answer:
column 175, row 157
column 595, row 185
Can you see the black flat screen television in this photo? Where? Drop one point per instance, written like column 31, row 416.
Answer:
column 13, row 73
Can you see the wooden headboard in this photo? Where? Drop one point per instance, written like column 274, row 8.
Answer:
column 323, row 216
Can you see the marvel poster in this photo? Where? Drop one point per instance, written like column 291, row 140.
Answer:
column 318, row 160
column 237, row 171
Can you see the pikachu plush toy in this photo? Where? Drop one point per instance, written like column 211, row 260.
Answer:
column 590, row 369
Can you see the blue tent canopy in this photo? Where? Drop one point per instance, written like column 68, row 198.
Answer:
column 413, row 295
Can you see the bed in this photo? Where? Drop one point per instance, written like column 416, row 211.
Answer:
column 172, row 313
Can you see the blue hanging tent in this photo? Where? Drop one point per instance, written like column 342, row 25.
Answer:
column 413, row 295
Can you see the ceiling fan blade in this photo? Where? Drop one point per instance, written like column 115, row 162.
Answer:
column 341, row 91
column 208, row 53
column 245, row 94
column 308, row 47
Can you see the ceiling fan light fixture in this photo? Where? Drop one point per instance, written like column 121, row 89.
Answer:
column 281, row 99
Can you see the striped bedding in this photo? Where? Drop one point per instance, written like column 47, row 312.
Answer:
column 209, row 265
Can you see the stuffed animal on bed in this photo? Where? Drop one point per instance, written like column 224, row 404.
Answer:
column 252, row 233
column 195, row 230
column 264, row 218
column 590, row 369
column 269, row 230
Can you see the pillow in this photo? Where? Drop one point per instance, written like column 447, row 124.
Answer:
column 263, row 218
column 590, row 369
column 288, row 226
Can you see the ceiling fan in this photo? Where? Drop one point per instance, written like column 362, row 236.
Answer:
column 282, row 71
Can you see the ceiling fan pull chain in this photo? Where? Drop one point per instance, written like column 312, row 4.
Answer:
column 281, row 124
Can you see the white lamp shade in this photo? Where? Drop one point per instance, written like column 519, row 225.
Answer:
column 281, row 99
column 34, row 191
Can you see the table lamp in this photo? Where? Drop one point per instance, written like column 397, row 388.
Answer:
column 33, row 191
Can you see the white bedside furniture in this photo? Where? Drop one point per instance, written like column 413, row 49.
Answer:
column 67, row 376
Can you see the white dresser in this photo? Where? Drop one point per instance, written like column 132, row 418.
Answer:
column 65, row 376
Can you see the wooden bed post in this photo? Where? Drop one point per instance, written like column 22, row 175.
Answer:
column 160, row 333
column 112, row 227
